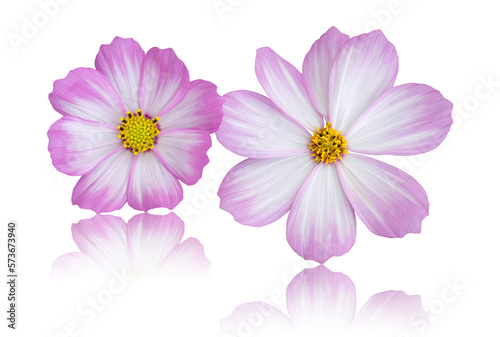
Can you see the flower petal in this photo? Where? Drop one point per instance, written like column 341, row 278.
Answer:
column 201, row 108
column 388, row 314
column 257, row 192
column 321, row 223
column 76, row 266
column 362, row 71
column 318, row 64
column 151, row 238
column 254, row 127
column 150, row 185
column 408, row 119
column 88, row 94
column 390, row 202
column 104, row 189
column 103, row 239
column 184, row 153
column 283, row 83
column 121, row 62
column 164, row 82
column 186, row 259
column 76, row 145
column 320, row 301
column 256, row 319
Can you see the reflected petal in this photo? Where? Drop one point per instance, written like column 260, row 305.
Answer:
column 149, row 246
column 187, row 258
column 323, row 303
column 76, row 266
column 319, row 301
column 151, row 238
column 256, row 319
column 390, row 313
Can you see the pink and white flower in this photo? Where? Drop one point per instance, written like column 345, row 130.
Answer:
column 323, row 303
column 307, row 144
column 132, row 128
column 147, row 246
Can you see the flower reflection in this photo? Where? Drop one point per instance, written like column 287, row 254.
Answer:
column 148, row 246
column 323, row 303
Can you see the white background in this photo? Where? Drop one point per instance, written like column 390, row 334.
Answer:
column 450, row 45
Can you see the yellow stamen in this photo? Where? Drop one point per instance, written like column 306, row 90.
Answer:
column 138, row 132
column 327, row 145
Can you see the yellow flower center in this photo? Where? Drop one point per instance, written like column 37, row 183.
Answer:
column 328, row 145
column 138, row 132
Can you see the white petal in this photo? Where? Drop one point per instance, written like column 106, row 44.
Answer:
column 389, row 202
column 88, row 94
column 164, row 82
column 77, row 146
column 363, row 70
column 408, row 119
column 151, row 185
column 121, row 63
column 257, row 192
column 104, row 189
column 283, row 83
column 254, row 127
column 184, row 152
column 321, row 223
column 318, row 64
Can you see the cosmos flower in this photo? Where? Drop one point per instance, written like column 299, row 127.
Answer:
column 132, row 128
column 323, row 303
column 307, row 144
column 147, row 246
